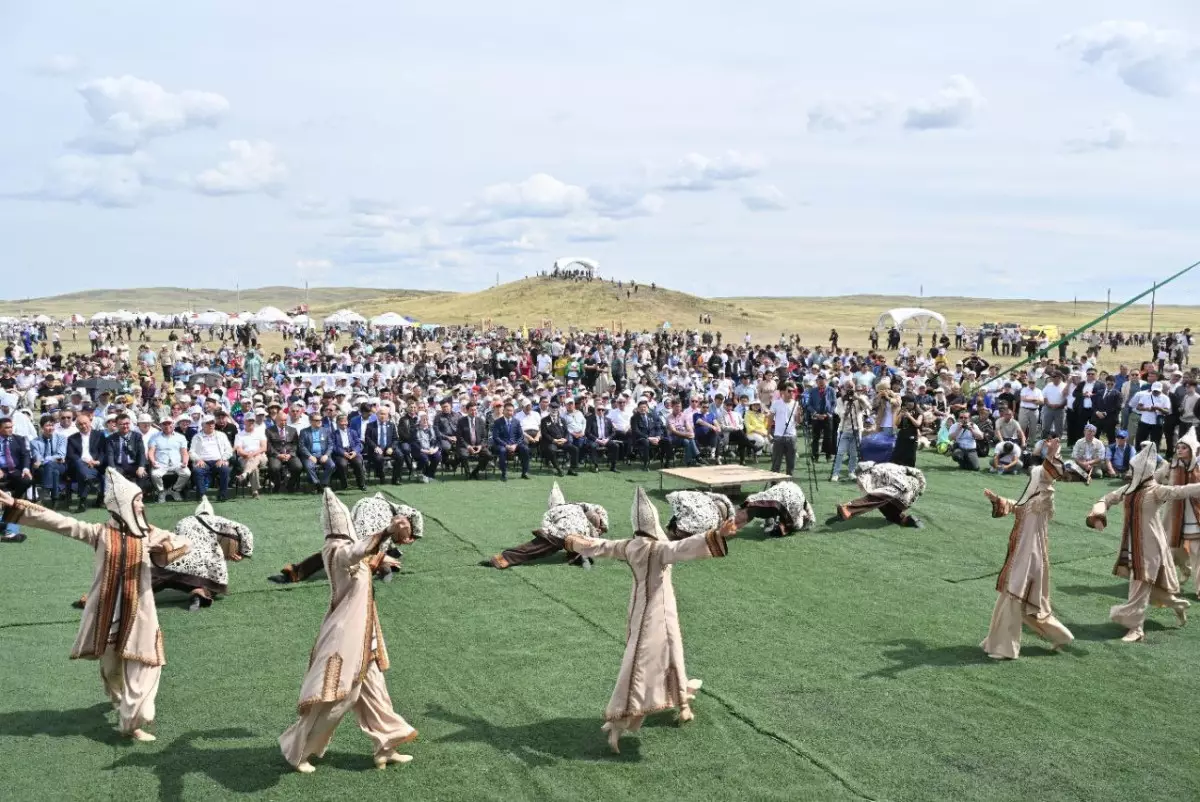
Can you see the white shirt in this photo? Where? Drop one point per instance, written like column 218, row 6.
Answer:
column 211, row 447
column 85, row 451
column 168, row 449
column 1161, row 405
column 1054, row 394
column 531, row 421
column 1030, row 397
column 251, row 441
column 620, row 418
column 784, row 413
column 576, row 423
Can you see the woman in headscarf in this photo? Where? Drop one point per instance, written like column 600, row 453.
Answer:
column 1024, row 583
column 120, row 622
column 1144, row 557
column 345, row 668
column 1182, row 522
column 652, row 677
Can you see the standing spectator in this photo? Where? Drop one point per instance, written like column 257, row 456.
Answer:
column 820, row 402
column 783, row 420
column 1031, row 409
column 1054, row 414
column 1152, row 407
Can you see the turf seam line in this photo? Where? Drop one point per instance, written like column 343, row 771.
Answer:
column 785, row 741
column 1056, row 562
column 38, row 623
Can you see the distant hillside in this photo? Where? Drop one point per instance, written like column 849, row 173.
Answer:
column 601, row 304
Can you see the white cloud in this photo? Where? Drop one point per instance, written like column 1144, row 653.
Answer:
column 540, row 195
column 108, row 181
column 954, row 106
column 623, row 202
column 255, row 167
column 1113, row 134
column 1153, row 61
column 591, row 231
column 129, row 111
column 697, row 173
column 58, row 65
column 413, row 244
column 503, row 240
column 375, row 215
column 766, row 198
column 314, row 207
column 842, row 115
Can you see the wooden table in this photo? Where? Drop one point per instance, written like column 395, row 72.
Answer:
column 722, row 476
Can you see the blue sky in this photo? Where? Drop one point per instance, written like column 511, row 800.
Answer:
column 1016, row 149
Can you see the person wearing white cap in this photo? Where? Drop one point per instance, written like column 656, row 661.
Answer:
column 1152, row 406
column 167, row 454
column 345, row 668
column 120, row 622
column 1144, row 556
column 1024, row 582
column 211, row 452
column 652, row 676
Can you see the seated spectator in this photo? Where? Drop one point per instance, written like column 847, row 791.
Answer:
column 126, row 452
column 428, row 447
column 1088, row 457
column 167, row 455
column 964, row 442
column 316, row 453
column 16, row 473
column 1118, row 455
column 1007, row 459
column 49, row 453
column 649, row 435
column 755, row 425
column 250, row 446
column 211, row 451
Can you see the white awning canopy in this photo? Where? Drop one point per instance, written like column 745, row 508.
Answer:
column 390, row 319
column 910, row 317
column 576, row 263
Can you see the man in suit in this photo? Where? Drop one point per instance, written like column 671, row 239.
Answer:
column 316, row 452
column 126, row 452
column 555, row 440
column 472, row 440
column 282, row 457
column 85, row 459
column 1106, row 408
column 649, row 435
column 508, row 440
column 16, row 472
column 445, row 423
column 819, row 404
column 383, row 445
column 406, row 434
column 602, row 437
column 49, row 452
column 347, row 452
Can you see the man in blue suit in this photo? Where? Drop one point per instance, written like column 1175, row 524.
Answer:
column 819, row 405
column 16, row 472
column 85, row 458
column 316, row 452
column 348, row 453
column 508, row 440
column 126, row 451
column 50, row 457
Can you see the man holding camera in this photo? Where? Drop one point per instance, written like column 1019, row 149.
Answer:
column 851, row 410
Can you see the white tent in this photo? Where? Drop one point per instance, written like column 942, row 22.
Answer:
column 211, row 318
column 155, row 317
column 43, row 319
column 344, row 317
column 123, row 315
column 99, row 317
column 577, row 263
column 241, row 317
column 271, row 314
column 303, row 321
column 390, row 319
column 78, row 318
column 912, row 318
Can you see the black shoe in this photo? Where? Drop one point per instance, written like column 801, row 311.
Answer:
column 362, row 488
column 572, row 473
column 558, row 472
column 613, row 469
column 279, row 579
column 833, row 519
column 194, row 607
column 474, row 474
column 13, row 537
column 503, row 478
column 914, row 523
column 524, row 476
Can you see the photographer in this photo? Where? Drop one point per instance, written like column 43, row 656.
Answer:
column 851, row 410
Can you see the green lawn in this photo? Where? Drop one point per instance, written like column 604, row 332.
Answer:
column 837, row 664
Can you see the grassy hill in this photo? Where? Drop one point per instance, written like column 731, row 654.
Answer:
column 599, row 303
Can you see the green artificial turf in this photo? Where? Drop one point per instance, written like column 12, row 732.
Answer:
column 837, row 664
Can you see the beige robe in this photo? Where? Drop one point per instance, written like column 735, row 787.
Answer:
column 129, row 665
column 1185, row 548
column 1145, row 558
column 1024, row 581
column 344, row 669
column 652, row 676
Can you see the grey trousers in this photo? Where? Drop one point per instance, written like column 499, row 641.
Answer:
column 783, row 447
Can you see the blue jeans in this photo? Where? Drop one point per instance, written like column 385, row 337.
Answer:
column 690, row 451
column 52, row 473
column 202, row 473
column 847, row 445
column 325, row 468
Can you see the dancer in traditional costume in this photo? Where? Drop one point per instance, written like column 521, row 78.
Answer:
column 1182, row 522
column 1024, row 583
column 782, row 508
column 1144, row 557
column 697, row 511
column 202, row 572
column 369, row 516
column 120, row 622
column 891, row 489
column 561, row 519
column 652, row 677
column 345, row 668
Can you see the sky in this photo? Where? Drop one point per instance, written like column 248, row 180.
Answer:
column 1015, row 149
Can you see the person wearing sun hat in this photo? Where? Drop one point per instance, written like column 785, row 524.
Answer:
column 346, row 665
column 1144, row 557
column 119, row 626
column 1024, row 582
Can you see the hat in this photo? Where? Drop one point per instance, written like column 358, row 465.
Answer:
column 1193, row 445
column 144, row 418
column 335, row 517
column 259, row 411
column 556, row 497
column 1142, row 467
column 644, row 516
column 208, row 419
column 204, row 507
column 119, row 495
column 1122, row 433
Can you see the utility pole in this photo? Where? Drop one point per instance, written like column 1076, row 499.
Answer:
column 1107, row 308
column 1153, row 293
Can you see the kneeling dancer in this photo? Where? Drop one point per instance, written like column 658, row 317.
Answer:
column 783, row 508
column 120, row 623
column 889, row 488
column 652, row 677
column 368, row 516
column 345, row 668
column 1144, row 556
column 698, row 511
column 1024, row 583
column 560, row 519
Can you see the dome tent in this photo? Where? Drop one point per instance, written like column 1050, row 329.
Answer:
column 912, row 318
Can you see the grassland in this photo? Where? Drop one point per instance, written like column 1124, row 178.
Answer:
column 601, row 304
column 841, row 664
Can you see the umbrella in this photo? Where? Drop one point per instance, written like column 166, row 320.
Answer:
column 207, row 377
